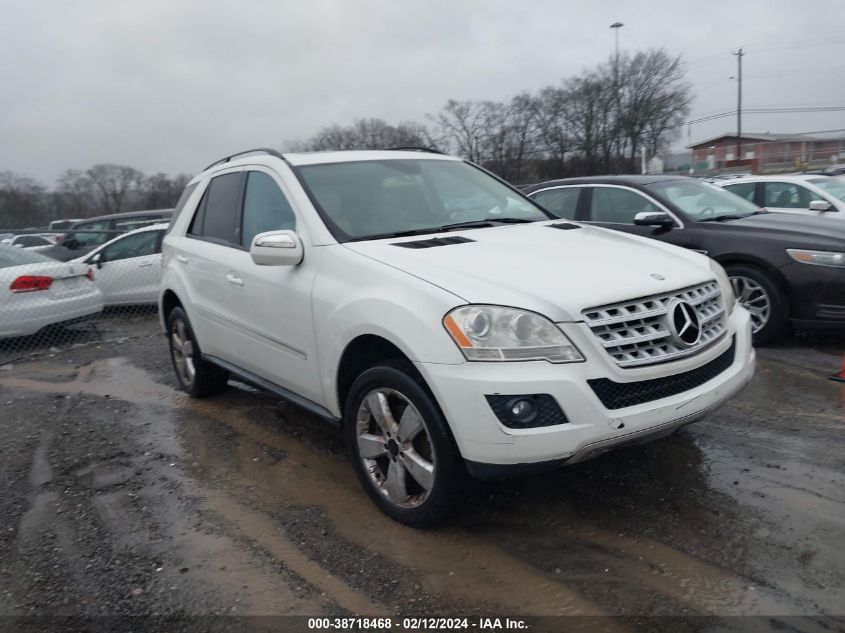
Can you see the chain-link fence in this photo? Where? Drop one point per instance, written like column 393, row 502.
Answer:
column 86, row 287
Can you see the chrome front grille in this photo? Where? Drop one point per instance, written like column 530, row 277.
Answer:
column 639, row 332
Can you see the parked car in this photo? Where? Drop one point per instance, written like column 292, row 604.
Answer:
column 29, row 241
column 62, row 225
column 784, row 269
column 448, row 323
column 805, row 194
column 128, row 268
column 37, row 291
column 87, row 235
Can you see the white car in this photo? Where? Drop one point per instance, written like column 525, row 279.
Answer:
column 806, row 194
column 30, row 241
column 448, row 323
column 128, row 268
column 36, row 291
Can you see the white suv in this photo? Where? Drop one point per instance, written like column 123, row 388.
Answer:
column 449, row 324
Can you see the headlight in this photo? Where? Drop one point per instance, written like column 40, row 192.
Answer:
column 494, row 333
column 819, row 258
column 725, row 285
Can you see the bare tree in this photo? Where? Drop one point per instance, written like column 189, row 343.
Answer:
column 21, row 201
column 462, row 127
column 364, row 134
column 113, row 185
column 161, row 191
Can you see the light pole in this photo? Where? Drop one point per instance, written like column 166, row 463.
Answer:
column 739, row 54
column 616, row 26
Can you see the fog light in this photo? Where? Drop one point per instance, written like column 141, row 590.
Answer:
column 522, row 410
column 526, row 410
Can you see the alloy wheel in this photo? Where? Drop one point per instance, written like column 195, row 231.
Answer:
column 754, row 298
column 395, row 447
column 182, row 349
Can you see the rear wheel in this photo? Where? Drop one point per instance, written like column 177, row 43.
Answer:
column 760, row 295
column 196, row 376
column 401, row 447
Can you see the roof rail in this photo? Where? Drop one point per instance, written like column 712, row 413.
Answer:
column 265, row 150
column 415, row 148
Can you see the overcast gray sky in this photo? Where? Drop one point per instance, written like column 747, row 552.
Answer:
column 170, row 85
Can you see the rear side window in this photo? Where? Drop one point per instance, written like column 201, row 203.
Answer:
column 218, row 217
column 563, row 202
column 265, row 208
column 743, row 189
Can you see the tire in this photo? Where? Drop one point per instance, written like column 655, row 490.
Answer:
column 760, row 295
column 196, row 376
column 394, row 470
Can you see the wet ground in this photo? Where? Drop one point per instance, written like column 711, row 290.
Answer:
column 120, row 495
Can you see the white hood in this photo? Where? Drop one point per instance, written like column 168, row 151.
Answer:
column 555, row 272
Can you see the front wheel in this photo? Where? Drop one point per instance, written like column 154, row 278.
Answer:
column 401, row 447
column 760, row 295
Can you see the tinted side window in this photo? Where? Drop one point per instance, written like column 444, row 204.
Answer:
column 136, row 245
column 618, row 206
column 786, row 195
column 743, row 189
column 221, row 212
column 563, row 202
column 265, row 208
column 91, row 233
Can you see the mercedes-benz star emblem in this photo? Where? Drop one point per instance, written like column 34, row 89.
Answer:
column 684, row 324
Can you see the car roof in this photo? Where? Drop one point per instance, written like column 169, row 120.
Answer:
column 778, row 177
column 636, row 180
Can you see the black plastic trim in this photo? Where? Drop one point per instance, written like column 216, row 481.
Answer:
column 435, row 241
column 618, row 395
column 304, row 403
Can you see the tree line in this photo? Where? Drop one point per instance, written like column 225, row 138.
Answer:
column 597, row 122
column 99, row 190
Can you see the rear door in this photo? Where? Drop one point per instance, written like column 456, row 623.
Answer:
column 204, row 257
column 129, row 269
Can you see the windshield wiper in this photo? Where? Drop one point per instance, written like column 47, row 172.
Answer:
column 480, row 224
column 475, row 224
column 725, row 218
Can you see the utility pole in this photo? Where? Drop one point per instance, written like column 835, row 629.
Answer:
column 739, row 55
column 616, row 26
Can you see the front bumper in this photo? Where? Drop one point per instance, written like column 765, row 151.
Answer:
column 817, row 297
column 592, row 428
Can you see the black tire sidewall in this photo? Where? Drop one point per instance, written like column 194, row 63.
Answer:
column 208, row 378
column 776, row 326
column 450, row 474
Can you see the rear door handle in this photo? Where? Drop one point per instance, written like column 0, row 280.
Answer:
column 233, row 279
column 182, row 259
column 144, row 264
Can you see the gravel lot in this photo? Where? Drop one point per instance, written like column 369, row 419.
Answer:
column 121, row 496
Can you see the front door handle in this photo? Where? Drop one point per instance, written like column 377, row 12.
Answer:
column 234, row 279
column 144, row 264
column 182, row 258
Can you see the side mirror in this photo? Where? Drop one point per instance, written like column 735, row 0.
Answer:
column 277, row 248
column 820, row 205
column 98, row 260
column 654, row 218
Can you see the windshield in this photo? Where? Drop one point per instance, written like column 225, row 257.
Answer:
column 833, row 186
column 702, row 201
column 380, row 198
column 11, row 256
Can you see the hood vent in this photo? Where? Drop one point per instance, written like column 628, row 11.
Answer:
column 435, row 241
column 563, row 226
